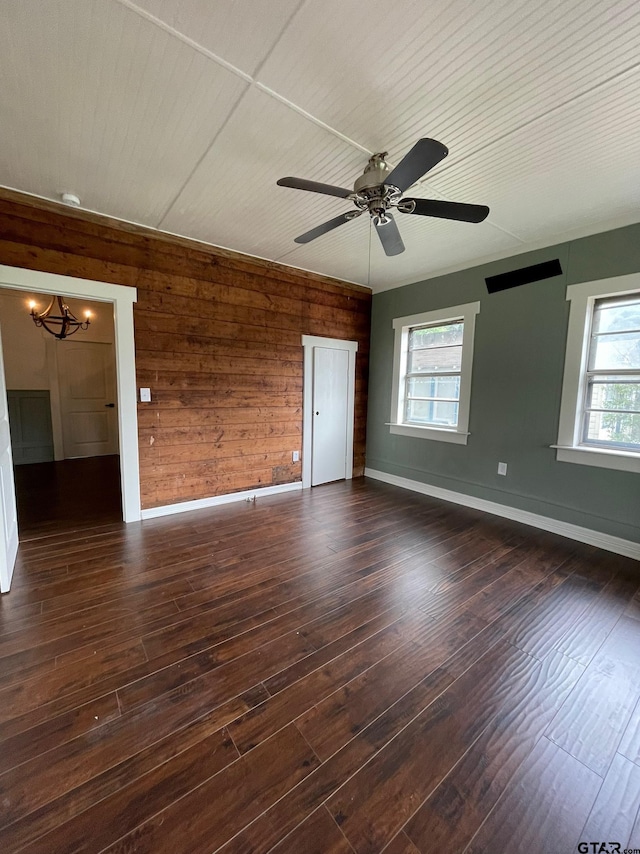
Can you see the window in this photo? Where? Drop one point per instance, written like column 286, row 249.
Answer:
column 612, row 400
column 432, row 373
column 432, row 380
column 600, row 411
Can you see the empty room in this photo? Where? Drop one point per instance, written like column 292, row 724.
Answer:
column 319, row 427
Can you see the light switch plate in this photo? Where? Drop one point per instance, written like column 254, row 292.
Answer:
column 145, row 395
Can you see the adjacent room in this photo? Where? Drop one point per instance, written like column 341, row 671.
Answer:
column 319, row 427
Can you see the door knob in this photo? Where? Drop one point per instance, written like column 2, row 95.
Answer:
column 110, row 405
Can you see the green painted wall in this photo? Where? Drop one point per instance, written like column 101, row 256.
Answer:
column 515, row 396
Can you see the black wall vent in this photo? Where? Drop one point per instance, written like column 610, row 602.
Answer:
column 524, row 276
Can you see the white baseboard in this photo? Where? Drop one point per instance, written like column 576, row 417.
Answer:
column 574, row 532
column 216, row 500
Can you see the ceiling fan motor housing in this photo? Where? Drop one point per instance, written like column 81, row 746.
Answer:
column 374, row 174
column 371, row 193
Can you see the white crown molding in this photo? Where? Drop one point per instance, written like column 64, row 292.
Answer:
column 565, row 529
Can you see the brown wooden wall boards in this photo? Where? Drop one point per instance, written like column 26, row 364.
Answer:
column 218, row 341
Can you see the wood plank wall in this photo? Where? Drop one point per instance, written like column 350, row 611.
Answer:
column 218, row 341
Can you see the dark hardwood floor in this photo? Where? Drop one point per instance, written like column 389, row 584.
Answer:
column 352, row 668
column 67, row 495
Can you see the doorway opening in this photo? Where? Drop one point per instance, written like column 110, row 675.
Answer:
column 62, row 400
column 118, row 300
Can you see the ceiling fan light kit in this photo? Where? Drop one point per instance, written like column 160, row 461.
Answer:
column 379, row 189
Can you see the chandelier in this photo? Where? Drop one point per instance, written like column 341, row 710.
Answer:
column 60, row 325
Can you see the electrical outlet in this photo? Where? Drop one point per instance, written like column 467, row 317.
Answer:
column 296, row 456
column 502, row 468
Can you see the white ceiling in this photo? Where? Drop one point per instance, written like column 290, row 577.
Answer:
column 182, row 114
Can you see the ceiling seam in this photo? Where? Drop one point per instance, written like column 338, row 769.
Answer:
column 200, row 160
column 301, row 111
column 277, row 39
column 248, row 78
column 158, row 22
column 129, row 4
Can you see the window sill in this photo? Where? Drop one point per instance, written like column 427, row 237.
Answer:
column 439, row 434
column 605, row 458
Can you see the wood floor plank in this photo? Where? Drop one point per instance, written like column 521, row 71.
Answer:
column 377, row 801
column 585, row 637
column 617, row 806
column 72, row 763
column 76, row 801
column 117, row 814
column 401, row 844
column 549, row 621
column 345, row 669
column 529, row 582
column 332, row 722
column 26, row 695
column 544, row 807
column 590, row 724
column 455, row 810
column 318, row 834
column 630, row 743
column 332, row 649
column 293, row 701
column 224, row 679
column 240, row 793
column 33, row 741
column 258, row 837
column 449, row 597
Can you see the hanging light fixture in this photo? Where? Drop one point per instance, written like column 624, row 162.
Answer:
column 60, row 325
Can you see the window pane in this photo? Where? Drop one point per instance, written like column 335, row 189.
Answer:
column 437, row 359
column 611, row 352
column 436, row 336
column 616, row 318
column 431, row 412
column 434, row 387
column 617, row 429
column 618, row 393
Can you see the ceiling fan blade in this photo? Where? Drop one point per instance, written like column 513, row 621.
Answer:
column 424, row 155
column 390, row 236
column 319, row 230
column 314, row 187
column 447, row 210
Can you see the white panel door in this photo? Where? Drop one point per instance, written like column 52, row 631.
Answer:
column 9, row 524
column 330, row 393
column 86, row 375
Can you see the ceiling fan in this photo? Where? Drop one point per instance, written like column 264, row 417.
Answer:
column 380, row 188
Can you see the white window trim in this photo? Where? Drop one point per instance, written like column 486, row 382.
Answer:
column 569, row 448
column 401, row 325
